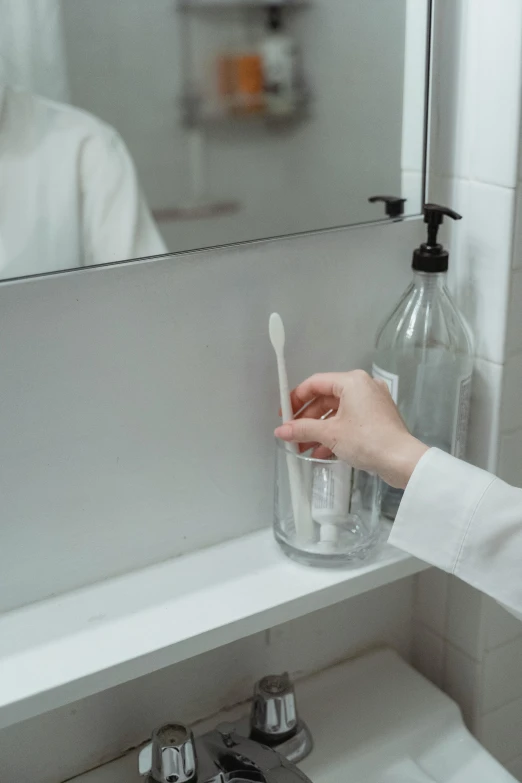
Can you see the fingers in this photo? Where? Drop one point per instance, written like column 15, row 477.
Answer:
column 305, row 431
column 304, row 447
column 322, row 452
column 320, row 385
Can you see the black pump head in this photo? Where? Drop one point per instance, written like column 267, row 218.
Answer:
column 430, row 256
column 393, row 205
column 275, row 17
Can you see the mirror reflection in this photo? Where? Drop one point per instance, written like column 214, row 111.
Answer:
column 131, row 128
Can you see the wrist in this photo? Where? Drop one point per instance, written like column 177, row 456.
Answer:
column 402, row 458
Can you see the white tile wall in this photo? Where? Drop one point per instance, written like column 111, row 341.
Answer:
column 428, row 652
column 414, row 88
column 511, row 413
column 514, row 332
column 477, row 64
column 412, row 125
column 431, row 604
column 410, row 189
column 495, row 51
column 486, row 394
column 502, row 675
column 474, row 169
column 480, row 261
column 517, row 253
column 501, row 626
column 500, row 731
column 480, row 248
column 72, row 739
column 510, row 458
column 462, row 681
column 466, row 623
column 452, row 104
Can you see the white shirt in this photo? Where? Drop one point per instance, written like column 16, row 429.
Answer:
column 69, row 194
column 465, row 521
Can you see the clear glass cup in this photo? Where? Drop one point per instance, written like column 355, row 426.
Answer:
column 325, row 512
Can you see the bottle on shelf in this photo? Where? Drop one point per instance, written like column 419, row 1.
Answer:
column 240, row 80
column 249, row 97
column 424, row 352
column 280, row 66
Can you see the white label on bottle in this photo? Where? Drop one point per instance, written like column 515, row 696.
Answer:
column 391, row 381
column 332, row 486
column 323, row 490
column 460, row 425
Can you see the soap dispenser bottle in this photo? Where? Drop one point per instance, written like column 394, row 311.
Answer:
column 280, row 65
column 424, row 353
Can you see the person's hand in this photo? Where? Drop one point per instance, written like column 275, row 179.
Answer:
column 365, row 428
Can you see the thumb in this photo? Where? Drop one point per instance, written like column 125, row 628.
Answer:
column 304, row 431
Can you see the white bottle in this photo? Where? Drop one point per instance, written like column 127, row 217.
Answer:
column 280, row 66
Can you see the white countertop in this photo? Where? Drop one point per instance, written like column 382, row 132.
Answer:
column 63, row 649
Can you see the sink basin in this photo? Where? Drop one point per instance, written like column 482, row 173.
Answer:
column 377, row 720
column 373, row 720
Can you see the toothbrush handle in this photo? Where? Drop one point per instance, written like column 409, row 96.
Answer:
column 301, row 506
column 284, row 392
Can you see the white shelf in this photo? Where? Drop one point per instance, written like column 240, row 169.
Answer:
column 60, row 650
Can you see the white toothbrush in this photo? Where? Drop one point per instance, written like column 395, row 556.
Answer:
column 304, row 525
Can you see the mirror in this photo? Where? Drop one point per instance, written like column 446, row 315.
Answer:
column 130, row 128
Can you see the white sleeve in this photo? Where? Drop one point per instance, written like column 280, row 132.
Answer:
column 465, row 521
column 116, row 223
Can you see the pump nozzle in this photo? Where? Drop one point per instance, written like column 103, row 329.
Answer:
column 275, row 21
column 393, row 205
column 432, row 257
column 434, row 217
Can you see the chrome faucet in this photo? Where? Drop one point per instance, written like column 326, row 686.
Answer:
column 263, row 749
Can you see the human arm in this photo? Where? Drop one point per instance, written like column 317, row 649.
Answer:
column 464, row 521
column 116, row 222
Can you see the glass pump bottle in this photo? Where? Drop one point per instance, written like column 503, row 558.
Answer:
column 424, row 352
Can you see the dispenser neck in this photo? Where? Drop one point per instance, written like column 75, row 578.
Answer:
column 431, row 259
column 433, row 230
column 428, row 282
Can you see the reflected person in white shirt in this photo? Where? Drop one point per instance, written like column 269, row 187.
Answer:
column 453, row 515
column 69, row 194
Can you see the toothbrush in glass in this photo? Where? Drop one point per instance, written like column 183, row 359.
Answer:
column 304, row 525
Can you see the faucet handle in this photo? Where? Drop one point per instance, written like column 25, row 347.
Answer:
column 170, row 757
column 274, row 712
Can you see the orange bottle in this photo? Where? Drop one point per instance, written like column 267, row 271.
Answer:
column 249, row 97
